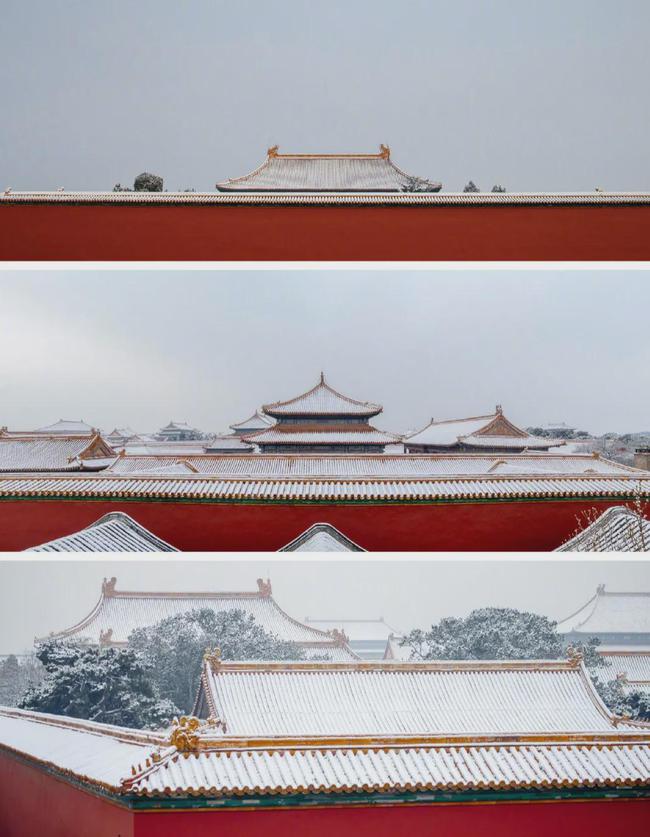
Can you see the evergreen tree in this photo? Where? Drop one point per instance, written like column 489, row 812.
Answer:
column 109, row 685
column 175, row 647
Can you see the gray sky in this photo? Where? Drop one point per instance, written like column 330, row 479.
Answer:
column 540, row 95
column 56, row 594
column 141, row 348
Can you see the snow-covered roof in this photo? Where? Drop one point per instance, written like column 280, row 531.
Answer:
column 257, row 421
column 227, row 444
column 310, row 198
column 632, row 666
column 324, row 401
column 610, row 613
column 325, row 173
column 114, row 532
column 291, row 465
column 617, row 529
column 356, row 630
column 396, row 651
column 491, row 430
column 368, row 699
column 60, row 452
column 348, row 489
column 318, row 435
column 119, row 612
column 68, row 427
column 322, row 537
column 129, row 762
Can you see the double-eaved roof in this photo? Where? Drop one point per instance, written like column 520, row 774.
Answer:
column 328, row 173
column 119, row 612
column 492, row 431
column 617, row 617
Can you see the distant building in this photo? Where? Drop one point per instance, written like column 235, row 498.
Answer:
column 621, row 621
column 34, row 452
column 177, row 431
column 119, row 612
column 328, row 173
column 366, row 637
column 253, row 424
column 321, row 420
column 492, row 433
column 68, row 427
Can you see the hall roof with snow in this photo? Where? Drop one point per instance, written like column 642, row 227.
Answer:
column 492, row 432
column 114, row 532
column 119, row 612
column 617, row 529
column 621, row 620
column 32, row 452
column 328, row 173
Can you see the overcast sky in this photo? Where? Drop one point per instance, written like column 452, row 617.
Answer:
column 539, row 95
column 405, row 593
column 208, row 347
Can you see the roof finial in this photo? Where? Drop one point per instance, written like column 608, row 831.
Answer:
column 264, row 587
column 385, row 151
column 499, row 409
column 108, row 586
column 322, row 377
column 273, row 151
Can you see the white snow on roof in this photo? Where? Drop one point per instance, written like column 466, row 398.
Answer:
column 67, row 426
column 368, row 699
column 610, row 613
column 322, row 400
column 635, row 667
column 356, row 630
column 322, row 537
column 114, row 532
column 48, row 453
column 617, row 529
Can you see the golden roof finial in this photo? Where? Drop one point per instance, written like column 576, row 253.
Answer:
column 108, row 586
column 212, row 656
column 183, row 735
column 384, row 151
column 574, row 655
column 273, row 151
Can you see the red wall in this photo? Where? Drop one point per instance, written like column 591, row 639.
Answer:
column 35, row 804
column 97, row 232
column 610, row 819
column 221, row 527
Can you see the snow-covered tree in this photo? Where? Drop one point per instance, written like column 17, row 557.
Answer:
column 471, row 187
column 109, row 685
column 490, row 633
column 419, row 184
column 632, row 704
column 16, row 676
column 175, row 647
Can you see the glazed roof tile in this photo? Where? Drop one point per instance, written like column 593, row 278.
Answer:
column 322, row 537
column 114, row 532
column 322, row 400
column 324, row 173
column 298, row 435
column 53, row 453
column 618, row 529
column 635, row 667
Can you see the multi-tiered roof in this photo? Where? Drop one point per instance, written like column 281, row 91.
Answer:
column 321, row 420
column 489, row 433
column 328, row 173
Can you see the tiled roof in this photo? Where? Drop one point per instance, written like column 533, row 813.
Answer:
column 257, row 421
column 325, row 173
column 492, row 430
column 356, row 630
column 322, row 400
column 324, row 489
column 53, row 453
column 634, row 667
column 68, row 427
column 322, row 537
column 617, row 529
column 374, row 465
column 227, row 444
column 301, row 435
column 333, row 199
column 114, row 532
column 610, row 613
column 308, row 700
column 118, row 613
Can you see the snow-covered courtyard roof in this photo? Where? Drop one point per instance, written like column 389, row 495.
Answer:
column 326, row 173
column 114, row 532
column 322, row 537
column 59, row 452
column 617, row 529
column 119, row 612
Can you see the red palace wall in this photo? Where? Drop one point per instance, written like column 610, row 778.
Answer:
column 172, row 231
column 507, row 526
column 35, row 804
